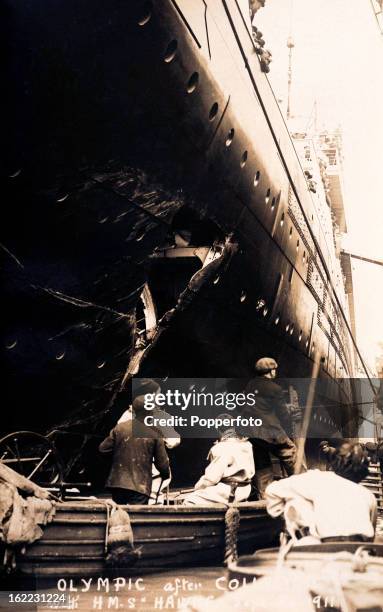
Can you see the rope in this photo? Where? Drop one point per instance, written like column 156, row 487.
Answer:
column 110, row 506
column 232, row 519
column 284, row 548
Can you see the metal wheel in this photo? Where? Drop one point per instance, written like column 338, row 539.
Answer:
column 31, row 455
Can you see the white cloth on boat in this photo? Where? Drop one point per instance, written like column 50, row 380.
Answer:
column 230, row 459
column 327, row 504
column 20, row 517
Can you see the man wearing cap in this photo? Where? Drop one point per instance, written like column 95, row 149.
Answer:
column 145, row 385
column 171, row 437
column 272, row 438
column 135, row 447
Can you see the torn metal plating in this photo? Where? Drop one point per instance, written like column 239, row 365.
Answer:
column 215, row 259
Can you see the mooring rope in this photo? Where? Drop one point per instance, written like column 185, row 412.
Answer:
column 232, row 520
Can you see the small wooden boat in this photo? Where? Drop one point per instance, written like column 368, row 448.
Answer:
column 338, row 575
column 74, row 543
column 305, row 558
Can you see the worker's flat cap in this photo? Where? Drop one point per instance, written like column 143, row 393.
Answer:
column 266, row 364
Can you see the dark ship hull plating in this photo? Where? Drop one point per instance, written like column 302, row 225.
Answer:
column 132, row 123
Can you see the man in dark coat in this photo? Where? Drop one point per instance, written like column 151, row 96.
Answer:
column 271, row 437
column 134, row 448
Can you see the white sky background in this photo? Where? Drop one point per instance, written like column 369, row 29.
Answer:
column 338, row 61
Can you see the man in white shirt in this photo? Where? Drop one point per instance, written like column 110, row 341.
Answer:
column 331, row 505
column 228, row 476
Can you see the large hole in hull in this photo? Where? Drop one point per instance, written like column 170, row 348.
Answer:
column 169, row 278
column 192, row 245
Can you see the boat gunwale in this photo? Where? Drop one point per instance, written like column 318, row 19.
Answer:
column 93, row 506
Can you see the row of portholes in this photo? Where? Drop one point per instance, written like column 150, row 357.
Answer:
column 191, row 86
column 60, row 355
column 228, row 142
column 304, row 258
column 194, row 387
column 289, row 329
column 60, row 198
column 262, row 308
column 323, row 420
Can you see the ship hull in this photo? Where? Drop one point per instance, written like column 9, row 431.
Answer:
column 130, row 124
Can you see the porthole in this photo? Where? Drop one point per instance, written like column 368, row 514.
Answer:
column 243, row 296
column 256, row 178
column 230, row 137
column 265, row 311
column 11, row 345
column 216, row 280
column 60, row 355
column 100, row 364
column 290, row 232
column 291, row 330
column 273, row 203
column 282, row 220
column 192, row 82
column 267, row 197
column 15, row 174
column 297, row 246
column 277, row 320
column 171, row 51
column 304, row 256
column 287, row 327
column 62, row 198
column 213, row 111
column 243, row 161
column 300, row 335
column 146, row 14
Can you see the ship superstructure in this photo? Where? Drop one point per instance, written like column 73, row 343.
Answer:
column 321, row 158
